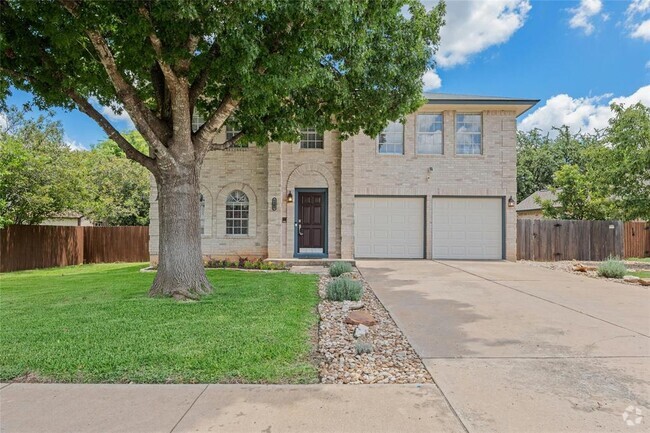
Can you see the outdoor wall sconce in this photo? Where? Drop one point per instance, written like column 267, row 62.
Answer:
column 274, row 204
column 511, row 202
column 289, row 197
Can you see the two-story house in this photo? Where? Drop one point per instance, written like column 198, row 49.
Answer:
column 440, row 186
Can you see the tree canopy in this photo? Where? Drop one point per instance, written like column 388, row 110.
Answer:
column 605, row 175
column 267, row 67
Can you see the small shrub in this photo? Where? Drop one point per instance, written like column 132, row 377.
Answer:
column 362, row 347
column 344, row 289
column 612, row 268
column 340, row 268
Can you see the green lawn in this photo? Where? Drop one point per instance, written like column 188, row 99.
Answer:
column 640, row 274
column 95, row 323
column 639, row 259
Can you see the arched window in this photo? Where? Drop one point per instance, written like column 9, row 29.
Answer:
column 202, row 212
column 237, row 213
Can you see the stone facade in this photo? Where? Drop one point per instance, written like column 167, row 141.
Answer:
column 348, row 169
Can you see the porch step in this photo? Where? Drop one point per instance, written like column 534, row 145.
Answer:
column 289, row 262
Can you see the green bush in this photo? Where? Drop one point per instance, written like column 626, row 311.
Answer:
column 340, row 268
column 362, row 347
column 612, row 268
column 344, row 289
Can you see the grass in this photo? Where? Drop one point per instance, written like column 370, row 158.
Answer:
column 640, row 274
column 95, row 323
column 638, row 259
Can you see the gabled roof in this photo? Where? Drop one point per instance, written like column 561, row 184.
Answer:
column 529, row 203
column 520, row 105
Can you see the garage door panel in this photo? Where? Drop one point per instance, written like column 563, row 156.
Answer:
column 389, row 227
column 467, row 228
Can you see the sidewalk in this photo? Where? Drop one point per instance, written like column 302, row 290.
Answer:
column 224, row 408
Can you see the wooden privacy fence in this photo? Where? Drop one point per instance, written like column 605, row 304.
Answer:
column 637, row 239
column 551, row 240
column 33, row 247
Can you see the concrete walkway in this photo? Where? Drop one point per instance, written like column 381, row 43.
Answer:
column 518, row 348
column 63, row 408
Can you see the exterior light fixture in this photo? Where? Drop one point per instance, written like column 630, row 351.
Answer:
column 274, row 204
column 289, row 197
column 511, row 202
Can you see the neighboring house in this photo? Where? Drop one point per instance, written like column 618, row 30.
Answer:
column 437, row 187
column 528, row 208
column 67, row 219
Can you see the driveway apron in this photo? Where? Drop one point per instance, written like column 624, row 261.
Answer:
column 514, row 347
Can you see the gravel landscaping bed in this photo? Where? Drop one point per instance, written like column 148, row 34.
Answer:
column 392, row 359
column 567, row 266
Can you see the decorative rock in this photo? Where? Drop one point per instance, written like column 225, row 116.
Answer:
column 353, row 305
column 631, row 278
column 360, row 331
column 360, row 317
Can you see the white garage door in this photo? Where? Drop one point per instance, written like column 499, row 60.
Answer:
column 467, row 228
column 389, row 227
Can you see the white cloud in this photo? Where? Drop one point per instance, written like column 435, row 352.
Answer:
column 580, row 114
column 475, row 25
column 112, row 113
column 642, row 31
column 431, row 80
column 73, row 144
column 3, row 121
column 583, row 14
column 647, row 64
column 638, row 29
column 638, row 7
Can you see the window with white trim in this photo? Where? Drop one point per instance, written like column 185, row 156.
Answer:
column 202, row 213
column 391, row 139
column 428, row 134
column 237, row 213
column 310, row 139
column 197, row 121
column 230, row 133
column 469, row 134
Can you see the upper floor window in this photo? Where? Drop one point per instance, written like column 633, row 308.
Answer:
column 202, row 213
column 310, row 139
column 428, row 134
column 391, row 139
column 468, row 134
column 237, row 213
column 197, row 121
column 230, row 133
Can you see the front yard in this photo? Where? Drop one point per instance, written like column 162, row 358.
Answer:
column 95, row 323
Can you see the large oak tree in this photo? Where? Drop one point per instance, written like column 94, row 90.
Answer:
column 266, row 66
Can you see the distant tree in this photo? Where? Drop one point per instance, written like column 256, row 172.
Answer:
column 36, row 179
column 539, row 156
column 577, row 198
column 626, row 164
column 116, row 189
column 268, row 67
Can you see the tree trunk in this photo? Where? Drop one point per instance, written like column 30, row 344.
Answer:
column 181, row 274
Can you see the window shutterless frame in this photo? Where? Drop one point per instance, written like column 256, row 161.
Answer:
column 391, row 140
column 469, row 133
column 311, row 139
column 429, row 134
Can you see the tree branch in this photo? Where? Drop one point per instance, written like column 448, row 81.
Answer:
column 206, row 133
column 151, row 127
column 228, row 143
column 199, row 83
column 130, row 151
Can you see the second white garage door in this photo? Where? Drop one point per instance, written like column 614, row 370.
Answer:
column 389, row 227
column 467, row 228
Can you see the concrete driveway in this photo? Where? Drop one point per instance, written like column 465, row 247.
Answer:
column 518, row 348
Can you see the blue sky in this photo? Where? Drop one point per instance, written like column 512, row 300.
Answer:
column 575, row 56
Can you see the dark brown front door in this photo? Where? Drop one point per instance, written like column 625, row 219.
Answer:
column 311, row 222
